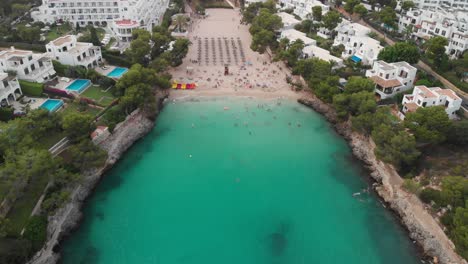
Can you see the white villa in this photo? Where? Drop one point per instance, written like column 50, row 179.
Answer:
column 9, row 87
column 323, row 54
column 438, row 22
column 67, row 50
column 123, row 29
column 391, row 78
column 28, row 66
column 289, row 21
column 148, row 13
column 303, row 8
column 358, row 45
column 294, row 35
column 423, row 96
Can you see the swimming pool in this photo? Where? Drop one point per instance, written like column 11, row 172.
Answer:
column 79, row 85
column 117, row 72
column 52, row 105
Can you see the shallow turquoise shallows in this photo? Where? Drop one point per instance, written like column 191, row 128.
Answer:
column 252, row 184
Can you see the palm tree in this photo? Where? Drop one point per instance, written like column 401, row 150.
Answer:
column 181, row 22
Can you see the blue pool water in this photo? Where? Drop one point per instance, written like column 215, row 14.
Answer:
column 79, row 85
column 355, row 58
column 117, row 72
column 52, row 105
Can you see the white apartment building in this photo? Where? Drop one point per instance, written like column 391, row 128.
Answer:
column 438, row 22
column 289, row 21
column 358, row 46
column 323, row 54
column 9, row 88
column 67, row 50
column 391, row 78
column 454, row 4
column 303, row 8
column 28, row 66
column 147, row 13
column 294, row 35
column 423, row 96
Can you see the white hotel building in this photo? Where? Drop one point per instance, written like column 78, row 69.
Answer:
column 28, row 66
column 391, row 78
column 423, row 96
column 67, row 50
column 438, row 22
column 9, row 88
column 454, row 4
column 147, row 13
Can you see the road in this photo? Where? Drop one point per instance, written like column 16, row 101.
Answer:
column 421, row 65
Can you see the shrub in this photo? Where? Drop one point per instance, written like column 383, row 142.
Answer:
column 36, row 230
column 429, row 195
column 411, row 186
column 58, row 92
column 6, row 113
column 31, row 88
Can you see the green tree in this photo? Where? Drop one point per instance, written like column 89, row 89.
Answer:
column 36, row 231
column 331, row 20
column 366, row 122
column 179, row 51
column 454, row 191
column 395, row 146
column 77, row 125
column 317, row 13
column 161, row 44
column 94, row 36
column 354, row 104
column 181, row 22
column 436, row 49
column 360, row 9
column 401, row 51
column 429, row 195
column 5, row 227
column 261, row 40
column 313, row 70
column 265, row 20
column 429, row 124
column 138, row 51
column 85, row 155
column 388, row 16
column 459, row 233
column 350, row 4
column 406, row 5
column 328, row 88
column 29, row 34
column 357, row 84
column 18, row 9
column 458, row 134
column 291, row 52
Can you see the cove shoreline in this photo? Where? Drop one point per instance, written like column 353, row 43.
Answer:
column 432, row 241
column 411, row 212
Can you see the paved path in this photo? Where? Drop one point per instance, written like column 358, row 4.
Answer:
column 421, row 65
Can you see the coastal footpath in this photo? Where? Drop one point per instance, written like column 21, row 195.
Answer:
column 136, row 126
column 422, row 227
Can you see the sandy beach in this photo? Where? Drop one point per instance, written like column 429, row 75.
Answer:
column 220, row 40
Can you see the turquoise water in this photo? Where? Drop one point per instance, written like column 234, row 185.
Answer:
column 252, row 184
column 79, row 85
column 52, row 105
column 117, row 72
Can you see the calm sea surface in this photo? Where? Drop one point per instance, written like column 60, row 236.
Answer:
column 262, row 182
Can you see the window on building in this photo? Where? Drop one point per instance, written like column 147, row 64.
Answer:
column 33, row 67
column 49, row 50
column 41, row 64
column 419, row 102
column 424, row 104
column 5, row 83
column 30, row 57
column 386, row 76
column 26, row 71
